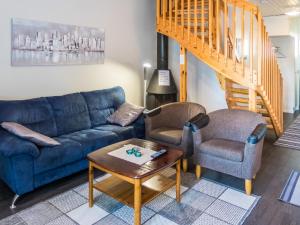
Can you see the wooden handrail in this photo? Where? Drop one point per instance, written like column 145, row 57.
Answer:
column 221, row 31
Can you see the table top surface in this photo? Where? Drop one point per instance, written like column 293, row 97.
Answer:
column 116, row 165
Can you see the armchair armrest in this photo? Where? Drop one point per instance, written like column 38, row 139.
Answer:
column 152, row 112
column 258, row 133
column 197, row 122
column 11, row 145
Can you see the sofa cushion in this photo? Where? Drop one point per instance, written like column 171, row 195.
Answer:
column 53, row 157
column 124, row 133
column 126, row 114
column 103, row 103
column 168, row 135
column 92, row 140
column 27, row 134
column 226, row 149
column 70, row 112
column 36, row 114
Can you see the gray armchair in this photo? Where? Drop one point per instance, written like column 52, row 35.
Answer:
column 231, row 143
column 166, row 125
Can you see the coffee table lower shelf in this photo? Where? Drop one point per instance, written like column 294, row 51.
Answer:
column 124, row 191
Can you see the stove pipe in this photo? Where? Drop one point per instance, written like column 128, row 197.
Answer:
column 162, row 64
column 162, row 88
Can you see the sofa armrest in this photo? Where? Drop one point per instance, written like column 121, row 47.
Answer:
column 198, row 122
column 257, row 134
column 11, row 145
column 139, row 126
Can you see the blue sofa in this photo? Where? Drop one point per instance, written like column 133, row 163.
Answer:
column 77, row 121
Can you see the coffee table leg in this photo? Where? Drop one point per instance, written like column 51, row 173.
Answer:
column 137, row 201
column 178, row 181
column 91, row 181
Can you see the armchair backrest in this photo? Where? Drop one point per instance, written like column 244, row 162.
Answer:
column 175, row 115
column 235, row 125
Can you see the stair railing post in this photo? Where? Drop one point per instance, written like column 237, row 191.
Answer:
column 196, row 21
column 170, row 10
column 182, row 19
column 259, row 48
column 234, row 35
column 189, row 20
column 164, row 12
column 225, row 31
column 210, row 27
column 183, row 74
column 202, row 23
column 176, row 16
column 158, row 11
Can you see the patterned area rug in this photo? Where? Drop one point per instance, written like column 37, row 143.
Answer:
column 291, row 191
column 203, row 203
column 291, row 137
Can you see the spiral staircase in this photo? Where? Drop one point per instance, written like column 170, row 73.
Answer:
column 230, row 37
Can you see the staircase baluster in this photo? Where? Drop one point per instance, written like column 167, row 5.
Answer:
column 189, row 20
column 259, row 49
column 242, row 41
column 210, row 25
column 202, row 23
column 234, row 35
column 170, row 14
column 218, row 27
column 225, row 30
column 158, row 10
column 176, row 16
column 182, row 19
column 251, row 47
column 195, row 21
column 164, row 12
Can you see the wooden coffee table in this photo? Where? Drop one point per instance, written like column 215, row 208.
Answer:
column 132, row 184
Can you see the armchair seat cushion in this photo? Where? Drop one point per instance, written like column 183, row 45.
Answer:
column 226, row 149
column 168, row 135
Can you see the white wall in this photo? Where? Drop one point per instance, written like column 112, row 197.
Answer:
column 203, row 86
column 130, row 41
column 277, row 25
column 288, row 70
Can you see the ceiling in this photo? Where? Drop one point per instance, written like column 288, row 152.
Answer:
column 277, row 7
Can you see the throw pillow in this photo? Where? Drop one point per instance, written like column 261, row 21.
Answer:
column 125, row 114
column 25, row 133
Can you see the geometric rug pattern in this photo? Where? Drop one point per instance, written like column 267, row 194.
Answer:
column 203, row 202
column 291, row 137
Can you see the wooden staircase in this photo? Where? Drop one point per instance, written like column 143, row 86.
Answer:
column 230, row 37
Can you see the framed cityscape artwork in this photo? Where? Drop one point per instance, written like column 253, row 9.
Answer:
column 45, row 43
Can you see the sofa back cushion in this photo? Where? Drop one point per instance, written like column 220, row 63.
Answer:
column 36, row 114
column 103, row 103
column 70, row 113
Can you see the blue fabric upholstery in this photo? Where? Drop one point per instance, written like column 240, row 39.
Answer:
column 103, row 103
column 17, row 173
column 92, row 140
column 68, row 119
column 60, row 172
column 52, row 157
column 70, row 112
column 11, row 145
column 123, row 133
column 139, row 127
column 36, row 114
